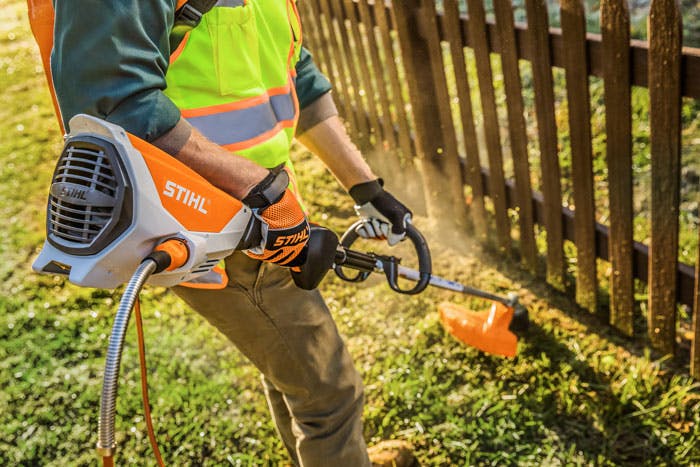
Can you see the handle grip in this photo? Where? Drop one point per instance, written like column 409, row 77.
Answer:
column 390, row 263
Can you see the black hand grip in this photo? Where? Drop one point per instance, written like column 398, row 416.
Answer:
column 425, row 265
column 252, row 235
column 320, row 254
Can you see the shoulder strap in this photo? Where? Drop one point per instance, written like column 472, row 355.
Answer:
column 187, row 17
column 41, row 18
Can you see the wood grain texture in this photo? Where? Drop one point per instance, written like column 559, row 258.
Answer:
column 337, row 62
column 320, row 46
column 379, row 68
column 538, row 27
column 695, row 347
column 665, row 35
column 312, row 35
column 479, row 41
column 350, row 67
column 573, row 21
column 517, row 131
column 615, row 27
column 395, row 88
column 365, row 95
column 473, row 165
column 435, row 138
column 639, row 51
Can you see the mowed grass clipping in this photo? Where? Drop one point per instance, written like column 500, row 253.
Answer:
column 576, row 394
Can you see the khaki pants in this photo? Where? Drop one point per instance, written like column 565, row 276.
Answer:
column 312, row 388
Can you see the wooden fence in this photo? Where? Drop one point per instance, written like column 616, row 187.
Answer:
column 388, row 64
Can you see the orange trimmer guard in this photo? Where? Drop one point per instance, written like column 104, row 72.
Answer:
column 487, row 330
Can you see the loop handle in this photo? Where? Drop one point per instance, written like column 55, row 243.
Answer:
column 390, row 264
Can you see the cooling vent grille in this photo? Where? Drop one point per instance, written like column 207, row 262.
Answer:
column 76, row 214
column 206, row 266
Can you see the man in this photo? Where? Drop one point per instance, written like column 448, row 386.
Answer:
column 226, row 98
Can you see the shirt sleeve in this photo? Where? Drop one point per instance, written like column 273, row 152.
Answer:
column 311, row 83
column 109, row 60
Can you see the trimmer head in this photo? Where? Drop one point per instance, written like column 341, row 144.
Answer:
column 491, row 331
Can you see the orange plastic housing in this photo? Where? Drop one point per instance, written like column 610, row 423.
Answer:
column 486, row 330
column 177, row 250
column 197, row 204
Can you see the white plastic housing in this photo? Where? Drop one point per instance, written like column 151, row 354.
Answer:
column 151, row 224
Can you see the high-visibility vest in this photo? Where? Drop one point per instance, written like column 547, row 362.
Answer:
column 232, row 77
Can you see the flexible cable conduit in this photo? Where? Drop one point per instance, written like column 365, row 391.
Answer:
column 108, row 401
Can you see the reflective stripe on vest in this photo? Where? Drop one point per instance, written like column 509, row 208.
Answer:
column 233, row 77
column 245, row 121
column 230, row 3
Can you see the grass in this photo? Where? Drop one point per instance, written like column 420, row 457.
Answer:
column 577, row 394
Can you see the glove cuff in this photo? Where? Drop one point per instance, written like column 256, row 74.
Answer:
column 269, row 191
column 363, row 193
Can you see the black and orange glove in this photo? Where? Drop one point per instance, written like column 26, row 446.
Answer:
column 284, row 230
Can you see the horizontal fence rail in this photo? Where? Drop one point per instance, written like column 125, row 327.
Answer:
column 640, row 253
column 391, row 63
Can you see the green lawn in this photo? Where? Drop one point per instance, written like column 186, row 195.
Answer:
column 577, row 394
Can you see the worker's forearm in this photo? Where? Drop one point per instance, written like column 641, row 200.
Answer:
column 330, row 142
column 229, row 172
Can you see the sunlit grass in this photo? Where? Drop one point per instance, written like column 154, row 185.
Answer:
column 576, row 394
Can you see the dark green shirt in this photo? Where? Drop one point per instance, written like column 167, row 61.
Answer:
column 110, row 58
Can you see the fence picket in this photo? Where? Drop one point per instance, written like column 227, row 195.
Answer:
column 386, row 164
column 573, row 22
column 368, row 104
column 405, row 142
column 312, row 31
column 665, row 38
column 337, row 62
column 615, row 26
column 497, row 188
column 453, row 35
column 415, row 195
column 538, row 29
column 695, row 346
column 505, row 26
column 319, row 44
column 437, row 67
column 387, row 128
column 435, row 138
column 352, row 73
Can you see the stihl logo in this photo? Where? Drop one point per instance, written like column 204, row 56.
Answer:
column 185, row 196
column 292, row 239
column 75, row 193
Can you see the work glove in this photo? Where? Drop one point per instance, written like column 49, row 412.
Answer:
column 383, row 216
column 279, row 221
